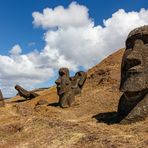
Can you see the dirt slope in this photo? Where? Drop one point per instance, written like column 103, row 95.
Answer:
column 24, row 124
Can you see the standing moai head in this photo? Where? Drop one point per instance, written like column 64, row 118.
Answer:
column 134, row 67
column 63, row 81
column 64, row 88
column 2, row 103
column 78, row 81
column 134, row 73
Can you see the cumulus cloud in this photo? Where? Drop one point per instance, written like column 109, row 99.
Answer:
column 83, row 43
column 75, row 15
column 71, row 40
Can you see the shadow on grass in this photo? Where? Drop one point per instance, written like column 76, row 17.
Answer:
column 55, row 104
column 18, row 101
column 108, row 117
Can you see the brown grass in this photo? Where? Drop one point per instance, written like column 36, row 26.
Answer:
column 25, row 125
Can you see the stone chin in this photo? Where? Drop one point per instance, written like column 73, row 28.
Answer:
column 134, row 83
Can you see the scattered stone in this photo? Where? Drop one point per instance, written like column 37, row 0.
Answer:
column 42, row 102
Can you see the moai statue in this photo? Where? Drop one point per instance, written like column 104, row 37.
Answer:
column 2, row 103
column 66, row 97
column 25, row 93
column 68, row 87
column 133, row 104
column 78, row 81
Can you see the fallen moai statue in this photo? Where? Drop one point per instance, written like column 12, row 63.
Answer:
column 68, row 87
column 133, row 104
column 25, row 93
column 2, row 103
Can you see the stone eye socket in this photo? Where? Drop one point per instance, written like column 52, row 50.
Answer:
column 61, row 73
column 129, row 44
column 132, row 43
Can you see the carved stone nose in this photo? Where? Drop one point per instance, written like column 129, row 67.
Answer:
column 132, row 62
column 133, row 59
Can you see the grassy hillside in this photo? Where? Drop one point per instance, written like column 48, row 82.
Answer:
column 26, row 124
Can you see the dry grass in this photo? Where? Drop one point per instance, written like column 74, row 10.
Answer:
column 23, row 124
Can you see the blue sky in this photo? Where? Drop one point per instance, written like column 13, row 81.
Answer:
column 16, row 18
column 17, row 28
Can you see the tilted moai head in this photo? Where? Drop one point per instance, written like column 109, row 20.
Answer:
column 134, row 76
column 134, row 67
column 2, row 103
column 81, row 77
column 17, row 87
column 78, row 81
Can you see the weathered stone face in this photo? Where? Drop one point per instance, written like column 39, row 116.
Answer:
column 134, row 77
column 134, row 68
column 68, row 87
column 64, row 88
column 2, row 103
column 63, row 82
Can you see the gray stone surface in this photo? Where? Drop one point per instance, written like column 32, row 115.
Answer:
column 64, row 90
column 133, row 104
column 78, row 81
column 68, row 87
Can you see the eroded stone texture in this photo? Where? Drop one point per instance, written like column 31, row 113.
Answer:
column 138, row 113
column 66, row 96
column 133, row 104
column 68, row 87
column 25, row 93
column 2, row 103
column 78, row 81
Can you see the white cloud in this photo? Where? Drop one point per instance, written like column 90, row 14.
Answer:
column 16, row 49
column 84, row 44
column 71, row 40
column 21, row 69
column 75, row 15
